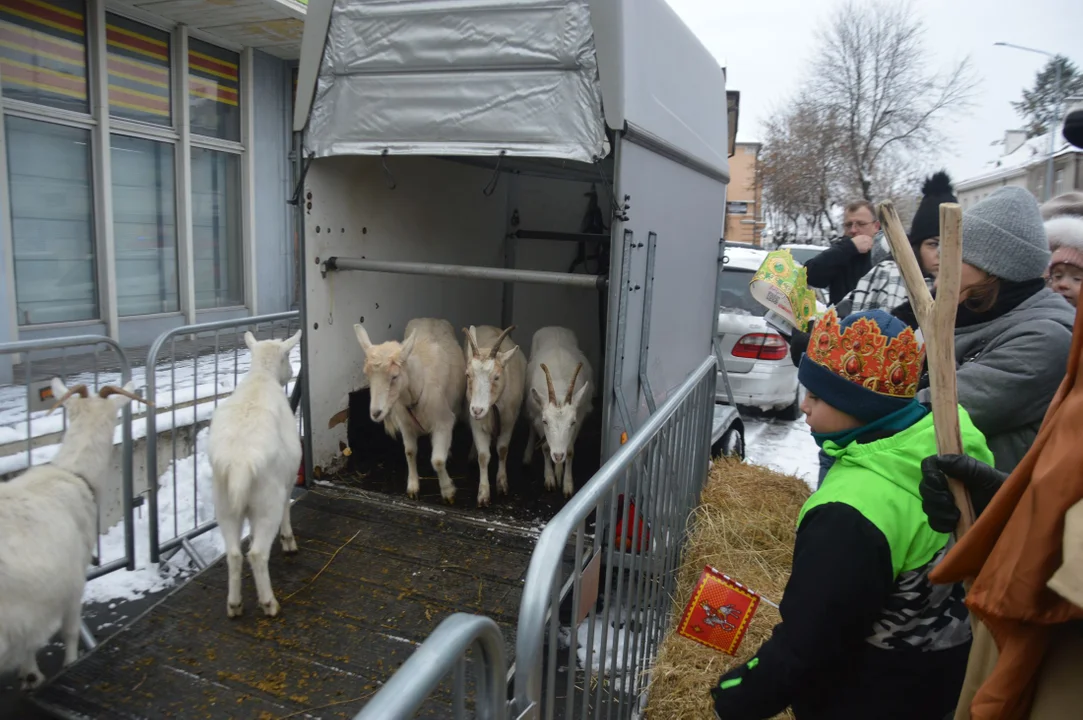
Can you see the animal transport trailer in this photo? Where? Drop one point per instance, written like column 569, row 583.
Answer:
column 445, row 175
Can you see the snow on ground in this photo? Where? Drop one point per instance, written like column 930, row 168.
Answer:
column 189, row 494
column 191, row 382
column 786, row 446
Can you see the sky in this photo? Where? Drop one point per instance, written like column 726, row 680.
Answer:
column 765, row 45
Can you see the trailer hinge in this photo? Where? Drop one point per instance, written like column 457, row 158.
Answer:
column 621, row 213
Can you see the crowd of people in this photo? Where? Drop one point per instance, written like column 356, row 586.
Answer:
column 876, row 619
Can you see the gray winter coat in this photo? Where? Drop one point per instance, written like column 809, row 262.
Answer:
column 1009, row 370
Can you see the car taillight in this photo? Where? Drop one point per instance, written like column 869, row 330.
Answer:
column 761, row 346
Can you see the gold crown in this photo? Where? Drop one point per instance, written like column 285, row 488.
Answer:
column 781, row 284
column 863, row 355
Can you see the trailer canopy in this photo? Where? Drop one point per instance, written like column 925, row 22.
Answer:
column 521, row 78
column 459, row 77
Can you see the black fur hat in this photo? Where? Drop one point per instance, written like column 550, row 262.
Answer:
column 936, row 189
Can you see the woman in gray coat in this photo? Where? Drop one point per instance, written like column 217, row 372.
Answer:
column 1012, row 333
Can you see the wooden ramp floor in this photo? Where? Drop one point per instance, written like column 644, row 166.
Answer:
column 374, row 576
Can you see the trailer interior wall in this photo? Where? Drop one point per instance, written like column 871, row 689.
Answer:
column 436, row 213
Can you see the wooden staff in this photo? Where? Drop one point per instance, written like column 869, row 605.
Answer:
column 937, row 322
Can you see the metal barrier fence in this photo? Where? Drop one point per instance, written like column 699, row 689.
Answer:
column 418, row 677
column 640, row 502
column 41, row 430
column 213, row 357
column 625, row 528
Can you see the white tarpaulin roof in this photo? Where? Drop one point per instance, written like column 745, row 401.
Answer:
column 459, row 77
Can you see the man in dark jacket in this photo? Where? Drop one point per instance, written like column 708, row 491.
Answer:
column 839, row 267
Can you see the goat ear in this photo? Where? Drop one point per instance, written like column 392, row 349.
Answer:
column 362, row 337
column 578, row 396
column 407, row 346
column 58, row 387
column 249, row 339
column 505, row 357
column 120, row 400
column 291, row 342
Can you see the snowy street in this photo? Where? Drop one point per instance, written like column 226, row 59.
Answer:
column 785, row 446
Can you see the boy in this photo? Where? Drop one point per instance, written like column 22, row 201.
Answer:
column 864, row 633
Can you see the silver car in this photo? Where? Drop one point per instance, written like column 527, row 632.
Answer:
column 756, row 357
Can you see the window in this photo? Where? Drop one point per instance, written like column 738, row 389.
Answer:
column 43, row 56
column 216, row 228
column 138, row 58
column 213, row 83
column 57, row 156
column 1060, row 185
column 144, row 226
column 52, row 219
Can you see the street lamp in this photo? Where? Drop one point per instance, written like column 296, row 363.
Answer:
column 1056, row 117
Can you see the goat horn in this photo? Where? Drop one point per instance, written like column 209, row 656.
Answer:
column 496, row 345
column 108, row 390
column 473, row 345
column 549, row 385
column 79, row 390
column 571, row 387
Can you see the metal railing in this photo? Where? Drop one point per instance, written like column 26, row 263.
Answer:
column 651, row 484
column 443, row 651
column 37, row 452
column 638, row 503
column 213, row 357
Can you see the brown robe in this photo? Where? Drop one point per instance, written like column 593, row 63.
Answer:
column 1012, row 552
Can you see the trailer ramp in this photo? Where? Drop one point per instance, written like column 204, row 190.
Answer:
column 374, row 576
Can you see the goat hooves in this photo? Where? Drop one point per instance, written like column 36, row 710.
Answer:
column 289, row 544
column 270, row 608
column 450, row 498
column 31, row 681
column 483, row 499
column 550, row 483
column 502, row 485
column 234, row 610
column 569, row 491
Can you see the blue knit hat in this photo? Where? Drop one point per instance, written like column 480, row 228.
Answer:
column 866, row 365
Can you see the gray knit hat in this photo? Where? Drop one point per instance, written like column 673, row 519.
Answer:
column 1004, row 236
column 1069, row 203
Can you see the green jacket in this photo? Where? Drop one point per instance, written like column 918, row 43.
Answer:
column 880, row 480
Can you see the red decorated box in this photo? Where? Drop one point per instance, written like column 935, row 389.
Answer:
column 719, row 611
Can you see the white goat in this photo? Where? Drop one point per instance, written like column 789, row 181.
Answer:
column 557, row 361
column 416, row 388
column 48, row 532
column 254, row 450
column 495, row 373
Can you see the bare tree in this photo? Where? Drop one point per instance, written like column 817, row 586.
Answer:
column 871, row 75
column 799, row 167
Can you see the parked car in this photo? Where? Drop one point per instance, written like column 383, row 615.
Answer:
column 757, row 359
column 803, row 253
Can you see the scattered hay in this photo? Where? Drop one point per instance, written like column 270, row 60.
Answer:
column 745, row 528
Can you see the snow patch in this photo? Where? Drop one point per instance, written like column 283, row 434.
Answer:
column 785, row 446
column 185, row 501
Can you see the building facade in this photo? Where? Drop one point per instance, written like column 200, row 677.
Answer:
column 147, row 149
column 744, row 196
column 1027, row 167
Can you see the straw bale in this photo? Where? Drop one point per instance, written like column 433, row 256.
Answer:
column 744, row 527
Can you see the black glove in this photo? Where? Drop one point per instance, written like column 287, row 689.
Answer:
column 980, row 480
column 799, row 343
